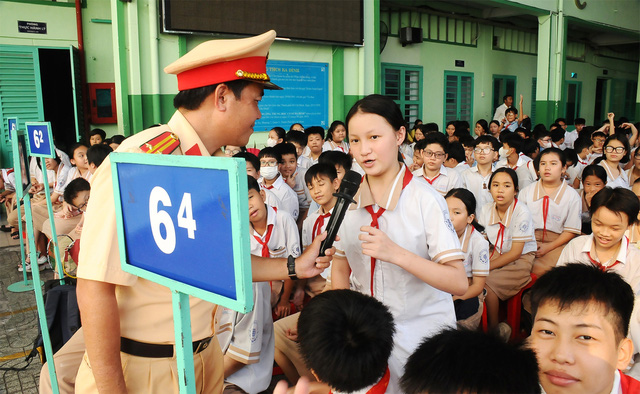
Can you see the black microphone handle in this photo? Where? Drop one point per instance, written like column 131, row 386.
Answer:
column 335, row 221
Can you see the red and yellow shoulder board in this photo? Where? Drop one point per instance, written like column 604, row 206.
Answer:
column 164, row 143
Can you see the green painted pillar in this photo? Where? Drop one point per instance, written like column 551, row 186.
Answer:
column 371, row 63
column 120, row 67
column 337, row 83
column 552, row 39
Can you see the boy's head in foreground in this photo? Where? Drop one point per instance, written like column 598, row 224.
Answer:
column 580, row 325
column 346, row 338
column 322, row 181
column 462, row 361
column 77, row 194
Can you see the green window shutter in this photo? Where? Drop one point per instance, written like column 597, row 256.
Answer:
column 403, row 84
column 458, row 96
column 20, row 92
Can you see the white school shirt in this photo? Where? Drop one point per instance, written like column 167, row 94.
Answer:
column 524, row 168
column 563, row 210
column 407, row 151
column 416, row 218
column 518, row 227
column 461, row 168
column 570, row 138
column 478, row 185
column 9, row 179
column 248, row 338
column 621, row 181
column 285, row 194
column 304, row 163
column 36, row 172
column 592, row 156
column 499, row 114
column 271, row 199
column 312, row 226
column 330, row 145
column 446, row 180
column 284, row 241
column 575, row 171
column 476, row 252
column 631, row 233
column 301, row 190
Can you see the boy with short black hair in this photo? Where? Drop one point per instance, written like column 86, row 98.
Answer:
column 294, row 177
column 271, row 180
column 511, row 156
column 299, row 140
column 557, row 138
column 436, row 366
column 543, row 137
column 253, row 169
column 570, row 137
column 76, row 194
column 511, row 116
column 581, row 318
column 346, row 339
column 96, row 137
column 468, row 143
column 96, row 155
column 476, row 179
column 581, row 147
column 340, row 160
column 598, row 138
column 315, row 140
column 434, row 154
column 456, row 159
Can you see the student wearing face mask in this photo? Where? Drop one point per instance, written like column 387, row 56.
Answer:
column 276, row 136
column 270, row 179
column 511, row 156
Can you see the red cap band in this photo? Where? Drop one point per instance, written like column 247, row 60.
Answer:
column 215, row 73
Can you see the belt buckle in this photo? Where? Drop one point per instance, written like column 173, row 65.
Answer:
column 202, row 345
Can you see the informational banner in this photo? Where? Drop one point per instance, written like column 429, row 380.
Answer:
column 304, row 98
column 32, row 27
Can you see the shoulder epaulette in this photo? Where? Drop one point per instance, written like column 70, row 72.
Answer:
column 164, row 143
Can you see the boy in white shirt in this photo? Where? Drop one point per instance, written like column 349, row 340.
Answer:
column 456, row 159
column 294, row 177
column 273, row 234
column 476, row 179
column 271, row 180
column 511, row 157
column 315, row 140
column 299, row 140
column 435, row 148
column 570, row 137
column 581, row 146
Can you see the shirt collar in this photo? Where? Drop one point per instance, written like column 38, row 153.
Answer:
column 539, row 192
column 622, row 253
column 466, row 237
column 189, row 139
column 271, row 220
column 495, row 218
column 364, row 197
column 444, row 171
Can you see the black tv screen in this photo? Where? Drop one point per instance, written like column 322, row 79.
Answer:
column 331, row 21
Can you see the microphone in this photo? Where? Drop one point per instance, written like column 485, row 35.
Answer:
column 348, row 188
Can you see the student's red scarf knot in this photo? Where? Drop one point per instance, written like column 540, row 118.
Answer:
column 545, row 213
column 317, row 226
column 500, row 235
column 600, row 265
column 381, row 386
column 265, row 243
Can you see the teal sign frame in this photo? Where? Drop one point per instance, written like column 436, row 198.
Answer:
column 40, row 140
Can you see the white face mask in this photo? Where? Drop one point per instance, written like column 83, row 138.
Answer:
column 503, row 152
column 269, row 172
column 546, row 144
column 271, row 142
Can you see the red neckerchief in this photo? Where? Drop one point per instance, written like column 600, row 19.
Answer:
column 599, row 265
column 265, row 246
column 317, row 226
column 433, row 180
column 628, row 384
column 500, row 235
column 268, row 187
column 381, row 386
column 376, row 215
column 545, row 213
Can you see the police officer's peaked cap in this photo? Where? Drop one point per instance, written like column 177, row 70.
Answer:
column 218, row 61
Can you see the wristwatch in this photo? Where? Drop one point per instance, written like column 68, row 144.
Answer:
column 291, row 268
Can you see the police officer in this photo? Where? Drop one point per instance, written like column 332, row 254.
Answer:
column 128, row 321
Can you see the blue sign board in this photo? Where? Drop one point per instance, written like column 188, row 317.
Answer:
column 304, row 98
column 183, row 222
column 40, row 139
column 12, row 124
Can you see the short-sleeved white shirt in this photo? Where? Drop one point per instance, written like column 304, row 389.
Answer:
column 518, row 227
column 524, row 168
column 271, row 199
column 300, row 187
column 461, row 168
column 312, row 222
column 476, row 252
column 575, row 171
column 330, row 145
column 304, row 163
column 570, row 138
column 285, row 194
column 621, row 181
column 416, row 218
column 478, row 185
column 9, row 179
column 446, row 180
column 563, row 212
column 248, row 338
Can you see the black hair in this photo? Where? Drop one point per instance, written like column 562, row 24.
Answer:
column 422, row 129
column 192, row 99
column 527, row 133
column 280, row 132
column 336, row 158
column 451, row 123
column 314, row 130
column 333, row 127
column 583, row 284
column 506, row 96
column 251, row 158
column 467, row 141
column 378, row 105
column 97, row 153
column 469, row 201
column 73, row 188
column 488, row 139
column 540, row 134
column 73, row 148
column 117, row 139
column 514, row 141
column 598, row 133
column 417, row 122
column 420, row 145
column 320, row 169
column 496, row 123
column 571, row 156
column 437, row 366
column 595, row 170
column 456, row 151
column 625, row 142
column 270, row 152
column 437, row 138
column 511, row 109
column 429, row 127
column 461, row 133
column 525, row 124
column 508, row 171
column 252, row 184
column 99, row 132
column 618, row 200
column 286, row 148
column 339, row 342
column 578, row 121
column 293, row 124
column 299, row 137
column 484, row 125
column 582, row 143
column 463, row 125
column 557, row 151
column 557, row 134
column 557, row 121
column 529, row 147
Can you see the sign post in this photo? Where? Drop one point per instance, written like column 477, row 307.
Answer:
column 41, row 145
column 170, row 227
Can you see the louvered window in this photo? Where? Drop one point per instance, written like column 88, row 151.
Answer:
column 458, row 95
column 404, row 85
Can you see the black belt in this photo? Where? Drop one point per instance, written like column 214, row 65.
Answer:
column 153, row 350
